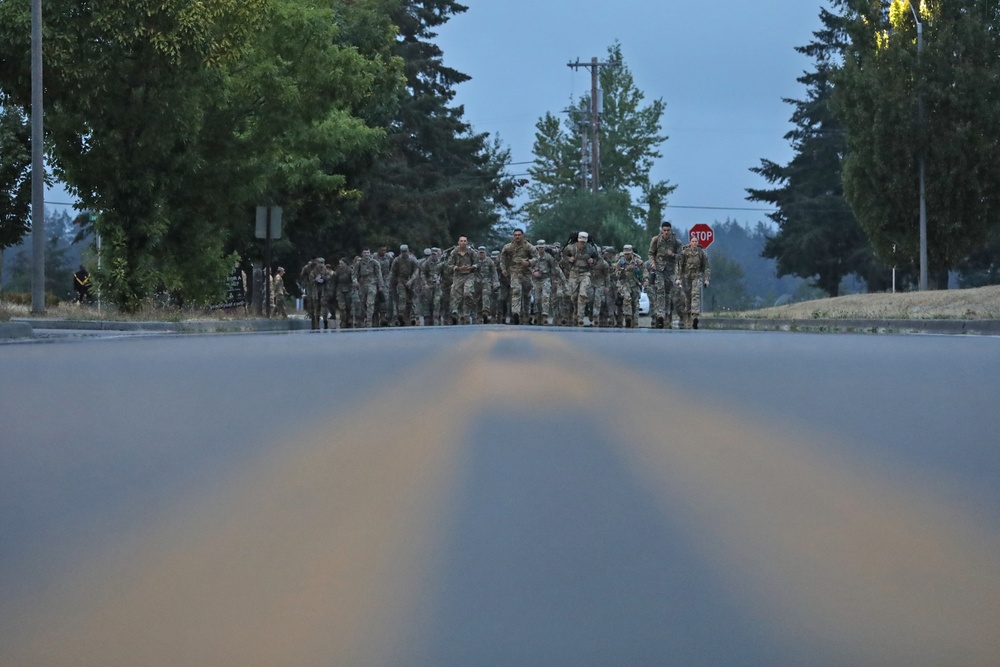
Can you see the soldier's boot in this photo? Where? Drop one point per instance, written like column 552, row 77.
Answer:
column 694, row 322
column 660, row 322
column 628, row 321
column 454, row 318
column 515, row 318
column 368, row 323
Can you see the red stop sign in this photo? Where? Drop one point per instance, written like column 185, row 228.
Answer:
column 703, row 233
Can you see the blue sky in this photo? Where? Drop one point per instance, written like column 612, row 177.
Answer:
column 722, row 68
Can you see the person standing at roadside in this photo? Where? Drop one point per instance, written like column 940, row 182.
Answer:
column 278, row 294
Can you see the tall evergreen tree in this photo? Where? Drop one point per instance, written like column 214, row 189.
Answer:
column 942, row 104
column 435, row 177
column 818, row 238
column 631, row 134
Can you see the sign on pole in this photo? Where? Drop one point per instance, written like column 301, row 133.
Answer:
column 703, row 233
column 262, row 220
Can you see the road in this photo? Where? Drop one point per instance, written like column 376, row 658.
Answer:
column 500, row 496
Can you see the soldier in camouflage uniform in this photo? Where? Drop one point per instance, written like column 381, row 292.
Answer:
column 501, row 304
column 630, row 274
column 581, row 257
column 486, row 282
column 318, row 278
column 560, row 291
column 368, row 276
column 278, row 294
column 346, row 294
column 403, row 276
column 463, row 281
column 384, row 302
column 664, row 249
column 515, row 263
column 602, row 287
column 430, row 272
column 692, row 271
column 544, row 271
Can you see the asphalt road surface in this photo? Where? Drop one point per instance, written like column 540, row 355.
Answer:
column 500, row 496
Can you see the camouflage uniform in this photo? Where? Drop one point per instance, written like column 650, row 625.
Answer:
column 581, row 262
column 278, row 294
column 319, row 278
column 544, row 272
column 430, row 272
column 368, row 276
column 501, row 304
column 463, row 284
column 663, row 253
column 630, row 273
column 347, row 295
column 691, row 272
column 384, row 306
column 486, row 282
column 402, row 277
column 514, row 264
column 601, row 282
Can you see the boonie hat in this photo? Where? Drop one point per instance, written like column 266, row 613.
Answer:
column 582, row 236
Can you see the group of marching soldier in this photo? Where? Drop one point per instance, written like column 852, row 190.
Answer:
column 523, row 283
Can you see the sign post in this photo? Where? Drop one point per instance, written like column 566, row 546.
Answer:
column 703, row 233
column 268, row 227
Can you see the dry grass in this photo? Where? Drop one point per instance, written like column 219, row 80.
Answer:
column 981, row 303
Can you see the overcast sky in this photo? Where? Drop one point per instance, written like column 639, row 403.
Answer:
column 722, row 68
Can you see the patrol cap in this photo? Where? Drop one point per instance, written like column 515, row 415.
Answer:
column 404, row 248
column 582, row 236
column 320, row 260
column 482, row 248
column 435, row 249
column 540, row 242
column 495, row 253
column 627, row 247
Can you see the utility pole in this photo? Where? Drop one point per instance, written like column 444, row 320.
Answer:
column 596, row 108
column 923, row 151
column 37, row 165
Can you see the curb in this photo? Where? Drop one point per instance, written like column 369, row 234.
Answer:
column 12, row 330
column 186, row 326
column 884, row 326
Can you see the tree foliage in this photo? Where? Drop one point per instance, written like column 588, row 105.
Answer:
column 631, row 134
column 944, row 104
column 15, row 176
column 434, row 178
column 818, row 238
column 174, row 119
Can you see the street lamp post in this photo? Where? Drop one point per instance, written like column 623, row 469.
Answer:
column 923, row 186
column 37, row 165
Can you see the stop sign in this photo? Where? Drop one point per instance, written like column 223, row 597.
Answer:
column 703, row 233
